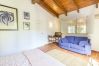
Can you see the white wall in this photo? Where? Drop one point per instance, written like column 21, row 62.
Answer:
column 94, row 30
column 17, row 41
column 92, row 23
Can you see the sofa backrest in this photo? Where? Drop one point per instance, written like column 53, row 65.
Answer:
column 64, row 40
column 70, row 39
column 75, row 39
column 78, row 39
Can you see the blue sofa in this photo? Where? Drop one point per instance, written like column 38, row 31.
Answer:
column 77, row 44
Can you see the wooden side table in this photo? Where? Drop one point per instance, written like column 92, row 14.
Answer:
column 52, row 39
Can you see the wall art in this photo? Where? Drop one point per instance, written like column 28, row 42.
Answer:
column 26, row 25
column 27, row 15
column 8, row 18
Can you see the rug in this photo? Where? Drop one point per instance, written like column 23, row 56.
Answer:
column 67, row 59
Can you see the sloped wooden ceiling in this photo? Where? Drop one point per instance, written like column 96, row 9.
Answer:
column 57, row 7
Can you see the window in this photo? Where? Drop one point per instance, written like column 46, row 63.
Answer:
column 77, row 26
column 71, row 29
column 81, row 25
column 71, row 26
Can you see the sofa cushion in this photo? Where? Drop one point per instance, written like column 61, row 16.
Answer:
column 66, row 45
column 83, row 43
column 82, row 38
column 64, row 40
column 74, row 46
column 70, row 39
column 78, row 39
column 76, row 42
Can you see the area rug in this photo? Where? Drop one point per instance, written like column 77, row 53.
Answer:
column 67, row 59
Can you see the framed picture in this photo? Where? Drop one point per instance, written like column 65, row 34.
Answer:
column 8, row 18
column 27, row 15
column 26, row 25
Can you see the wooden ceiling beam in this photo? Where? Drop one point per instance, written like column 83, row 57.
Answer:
column 76, row 6
column 61, row 6
column 96, row 5
column 35, row 1
column 48, row 8
column 85, row 3
column 97, row 1
column 62, row 3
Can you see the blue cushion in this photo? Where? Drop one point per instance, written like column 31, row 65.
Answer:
column 76, row 47
column 64, row 40
column 70, row 38
column 82, row 38
column 78, row 39
column 82, row 43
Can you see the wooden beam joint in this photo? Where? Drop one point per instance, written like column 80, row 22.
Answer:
column 78, row 11
column 35, row 1
column 76, row 6
column 96, row 5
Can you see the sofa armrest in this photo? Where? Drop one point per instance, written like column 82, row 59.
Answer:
column 88, row 40
column 59, row 42
column 88, row 49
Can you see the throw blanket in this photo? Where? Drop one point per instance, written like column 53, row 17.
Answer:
column 29, row 58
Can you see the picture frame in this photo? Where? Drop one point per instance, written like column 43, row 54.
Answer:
column 26, row 25
column 8, row 18
column 27, row 15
